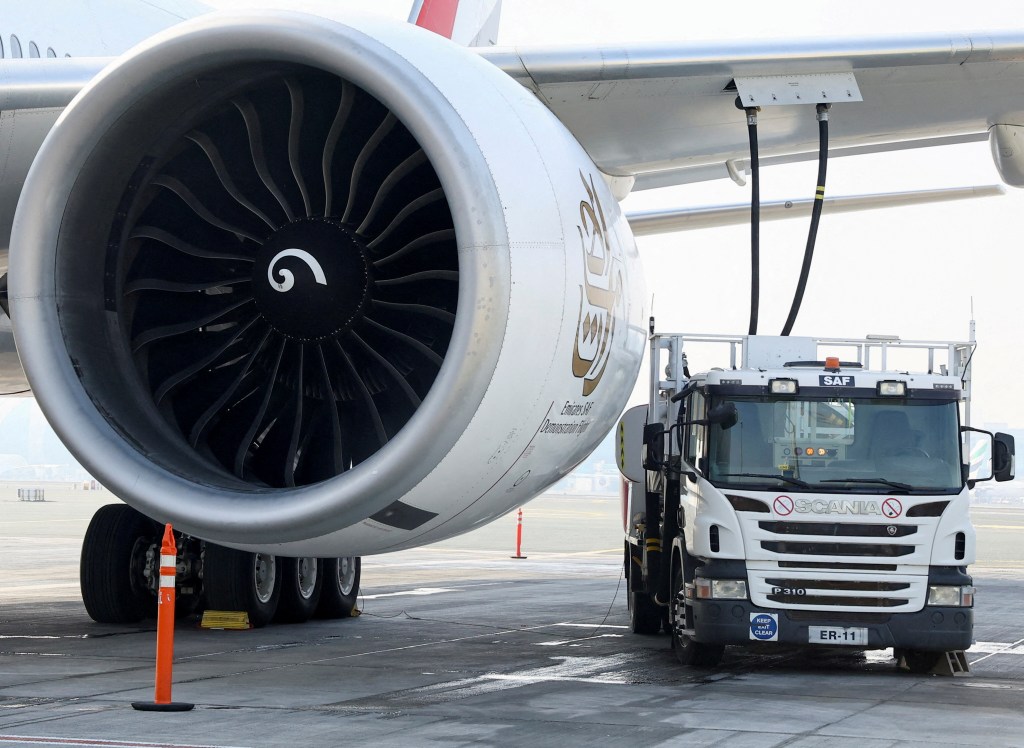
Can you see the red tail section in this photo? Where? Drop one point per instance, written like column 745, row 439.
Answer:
column 438, row 16
column 471, row 23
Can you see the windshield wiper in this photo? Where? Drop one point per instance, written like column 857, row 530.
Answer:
column 879, row 481
column 783, row 478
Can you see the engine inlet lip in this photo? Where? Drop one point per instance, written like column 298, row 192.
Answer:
column 208, row 505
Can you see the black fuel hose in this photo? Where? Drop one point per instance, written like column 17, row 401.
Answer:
column 812, row 235
column 755, row 221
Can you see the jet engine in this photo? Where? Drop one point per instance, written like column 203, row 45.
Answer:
column 321, row 288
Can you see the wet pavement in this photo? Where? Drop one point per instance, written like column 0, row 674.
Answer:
column 460, row 645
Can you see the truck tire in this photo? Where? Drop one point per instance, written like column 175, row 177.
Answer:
column 241, row 581
column 645, row 617
column 114, row 587
column 301, row 585
column 919, row 662
column 340, row 591
column 689, row 652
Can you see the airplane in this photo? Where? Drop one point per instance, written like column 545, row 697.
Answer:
column 314, row 286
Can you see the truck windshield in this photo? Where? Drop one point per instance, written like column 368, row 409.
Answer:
column 838, row 445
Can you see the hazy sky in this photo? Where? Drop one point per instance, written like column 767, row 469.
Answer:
column 911, row 271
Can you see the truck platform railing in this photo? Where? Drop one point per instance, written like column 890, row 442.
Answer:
column 669, row 360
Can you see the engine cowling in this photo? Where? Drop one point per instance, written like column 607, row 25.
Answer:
column 321, row 288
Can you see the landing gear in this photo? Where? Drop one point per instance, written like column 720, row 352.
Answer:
column 114, row 565
column 301, row 585
column 340, row 587
column 689, row 652
column 238, row 580
column 120, row 570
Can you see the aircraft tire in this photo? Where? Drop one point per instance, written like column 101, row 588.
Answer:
column 242, row 581
column 340, row 591
column 301, row 586
column 113, row 559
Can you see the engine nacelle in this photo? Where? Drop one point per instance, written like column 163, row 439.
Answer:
column 321, row 288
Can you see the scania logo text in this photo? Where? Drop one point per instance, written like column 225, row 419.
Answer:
column 838, row 506
column 287, row 277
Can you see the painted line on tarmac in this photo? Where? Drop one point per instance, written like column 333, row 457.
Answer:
column 418, row 592
column 592, row 625
column 575, row 669
column 564, row 642
column 421, row 645
column 995, row 648
column 97, row 743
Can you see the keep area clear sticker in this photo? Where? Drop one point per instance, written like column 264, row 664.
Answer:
column 764, row 627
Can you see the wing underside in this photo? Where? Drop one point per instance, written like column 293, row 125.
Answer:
column 666, row 114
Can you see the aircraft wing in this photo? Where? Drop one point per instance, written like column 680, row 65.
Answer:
column 666, row 114
column 652, row 222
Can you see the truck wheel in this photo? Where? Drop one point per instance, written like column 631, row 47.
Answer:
column 113, row 564
column 301, row 584
column 644, row 616
column 689, row 652
column 340, row 587
column 241, row 581
column 919, row 662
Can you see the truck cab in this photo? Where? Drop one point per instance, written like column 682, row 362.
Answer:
column 804, row 498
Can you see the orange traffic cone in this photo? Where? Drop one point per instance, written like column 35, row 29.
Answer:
column 165, row 633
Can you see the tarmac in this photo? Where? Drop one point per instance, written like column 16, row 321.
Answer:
column 458, row 644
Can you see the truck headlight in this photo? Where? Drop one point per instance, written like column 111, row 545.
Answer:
column 892, row 389
column 720, row 589
column 783, row 386
column 959, row 597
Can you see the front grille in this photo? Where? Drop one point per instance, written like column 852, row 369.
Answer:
column 837, row 549
column 850, row 590
column 813, row 591
column 836, row 600
column 828, row 616
column 820, row 565
column 839, row 584
column 836, row 529
column 836, row 565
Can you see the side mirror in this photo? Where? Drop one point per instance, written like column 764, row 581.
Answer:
column 654, row 446
column 1001, row 463
column 724, row 414
column 1003, row 457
